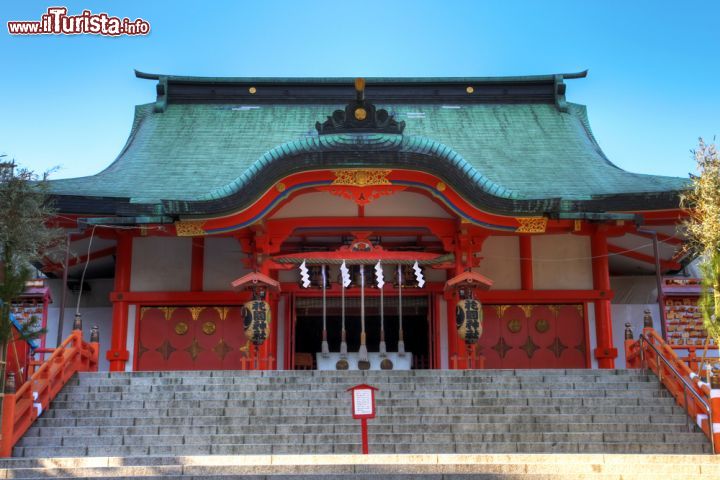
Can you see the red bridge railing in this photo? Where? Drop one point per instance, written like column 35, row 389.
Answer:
column 700, row 400
column 21, row 408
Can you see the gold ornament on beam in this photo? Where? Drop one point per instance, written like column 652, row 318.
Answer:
column 191, row 228
column 361, row 177
column 531, row 224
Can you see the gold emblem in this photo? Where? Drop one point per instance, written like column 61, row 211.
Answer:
column 208, row 328
column 469, row 89
column 441, row 186
column 280, row 187
column 252, row 90
column 190, row 228
column 514, row 325
column 360, row 114
column 542, row 325
column 361, row 178
column 181, row 328
column 531, row 224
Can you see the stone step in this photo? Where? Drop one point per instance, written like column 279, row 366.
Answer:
column 388, row 382
column 346, row 419
column 454, row 393
column 45, row 432
column 375, row 438
column 689, row 465
column 168, row 401
column 354, row 447
column 138, row 411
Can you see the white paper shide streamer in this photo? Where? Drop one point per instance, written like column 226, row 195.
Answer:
column 304, row 275
column 418, row 275
column 345, row 272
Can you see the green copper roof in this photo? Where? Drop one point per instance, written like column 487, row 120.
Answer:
column 528, row 151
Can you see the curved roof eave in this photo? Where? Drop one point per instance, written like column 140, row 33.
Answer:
column 348, row 80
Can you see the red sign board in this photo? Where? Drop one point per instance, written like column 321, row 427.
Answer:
column 363, row 401
column 363, row 407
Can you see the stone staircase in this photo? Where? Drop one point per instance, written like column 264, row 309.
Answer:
column 157, row 419
column 232, row 413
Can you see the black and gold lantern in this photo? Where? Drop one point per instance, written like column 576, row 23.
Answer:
column 256, row 314
column 468, row 311
column 256, row 320
column 469, row 319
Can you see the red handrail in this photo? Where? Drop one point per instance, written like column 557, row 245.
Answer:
column 20, row 409
column 699, row 400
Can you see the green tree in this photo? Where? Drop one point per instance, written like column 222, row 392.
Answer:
column 25, row 237
column 702, row 202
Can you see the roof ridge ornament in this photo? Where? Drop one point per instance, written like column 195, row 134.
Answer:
column 360, row 116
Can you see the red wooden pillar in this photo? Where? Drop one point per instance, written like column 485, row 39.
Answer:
column 605, row 353
column 271, row 343
column 456, row 351
column 526, row 272
column 197, row 268
column 118, row 354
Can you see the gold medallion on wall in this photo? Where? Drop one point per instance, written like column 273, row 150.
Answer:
column 181, row 328
column 209, row 328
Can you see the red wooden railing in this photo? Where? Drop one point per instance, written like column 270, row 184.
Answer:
column 21, row 409
column 701, row 402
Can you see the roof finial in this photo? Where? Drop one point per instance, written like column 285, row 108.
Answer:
column 360, row 88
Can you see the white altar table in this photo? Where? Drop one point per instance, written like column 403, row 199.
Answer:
column 329, row 362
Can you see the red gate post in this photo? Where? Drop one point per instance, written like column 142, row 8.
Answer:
column 363, row 407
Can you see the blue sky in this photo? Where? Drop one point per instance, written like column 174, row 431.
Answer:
column 651, row 91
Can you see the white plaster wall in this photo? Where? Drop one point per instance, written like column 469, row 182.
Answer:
column 97, row 296
column 223, row 263
column 634, row 289
column 161, row 264
column 405, row 204
column 100, row 316
column 501, row 262
column 317, row 204
column 562, row 262
column 443, row 333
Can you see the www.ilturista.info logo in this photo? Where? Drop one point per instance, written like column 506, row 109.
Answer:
column 57, row 22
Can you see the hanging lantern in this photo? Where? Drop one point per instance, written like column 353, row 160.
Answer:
column 256, row 313
column 468, row 319
column 468, row 311
column 256, row 320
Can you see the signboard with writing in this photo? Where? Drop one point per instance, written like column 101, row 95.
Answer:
column 363, row 407
column 362, row 402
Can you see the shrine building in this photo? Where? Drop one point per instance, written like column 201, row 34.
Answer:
column 483, row 207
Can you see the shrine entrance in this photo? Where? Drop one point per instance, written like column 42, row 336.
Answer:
column 415, row 323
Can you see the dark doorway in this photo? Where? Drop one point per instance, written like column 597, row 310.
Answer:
column 308, row 329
